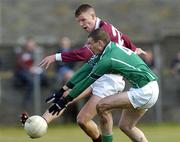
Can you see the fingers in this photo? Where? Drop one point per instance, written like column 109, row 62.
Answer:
column 140, row 51
column 49, row 100
column 143, row 52
column 44, row 63
column 53, row 109
column 58, row 113
column 54, row 112
column 47, row 61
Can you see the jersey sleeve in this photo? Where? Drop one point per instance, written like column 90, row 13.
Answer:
column 79, row 75
column 83, row 72
column 81, row 54
column 118, row 37
column 101, row 68
column 128, row 43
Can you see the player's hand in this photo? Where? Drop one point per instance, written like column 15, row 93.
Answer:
column 24, row 116
column 47, row 61
column 55, row 95
column 140, row 51
column 57, row 106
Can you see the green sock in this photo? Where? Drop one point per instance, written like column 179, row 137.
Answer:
column 107, row 138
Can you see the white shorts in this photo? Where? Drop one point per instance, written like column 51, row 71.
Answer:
column 108, row 84
column 144, row 97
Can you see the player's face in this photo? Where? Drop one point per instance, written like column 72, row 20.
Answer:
column 87, row 21
column 96, row 47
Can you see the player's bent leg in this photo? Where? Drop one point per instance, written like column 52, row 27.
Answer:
column 85, row 116
column 105, row 86
column 127, row 124
column 104, row 107
column 106, row 124
column 141, row 100
column 117, row 101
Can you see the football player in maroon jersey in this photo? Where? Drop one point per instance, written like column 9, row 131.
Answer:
column 87, row 19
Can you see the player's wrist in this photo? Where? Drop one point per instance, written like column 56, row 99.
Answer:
column 60, row 92
column 58, row 57
column 70, row 85
column 68, row 99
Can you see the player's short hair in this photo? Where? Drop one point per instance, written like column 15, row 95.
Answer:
column 99, row 34
column 83, row 8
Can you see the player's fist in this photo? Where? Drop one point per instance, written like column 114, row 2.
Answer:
column 57, row 106
column 55, row 95
column 51, row 98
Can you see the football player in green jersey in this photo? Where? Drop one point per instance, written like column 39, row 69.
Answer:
column 115, row 59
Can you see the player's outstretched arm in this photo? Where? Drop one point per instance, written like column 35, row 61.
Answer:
column 49, row 117
column 86, row 93
column 81, row 54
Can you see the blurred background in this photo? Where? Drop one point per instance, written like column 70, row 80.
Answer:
column 33, row 29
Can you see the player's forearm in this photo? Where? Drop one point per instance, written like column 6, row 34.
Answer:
column 81, row 54
column 79, row 75
column 83, row 95
column 80, row 87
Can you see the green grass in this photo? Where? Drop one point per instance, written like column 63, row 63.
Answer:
column 72, row 133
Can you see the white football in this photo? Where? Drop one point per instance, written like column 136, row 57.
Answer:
column 35, row 126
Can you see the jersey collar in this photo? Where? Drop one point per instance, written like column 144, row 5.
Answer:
column 98, row 20
column 107, row 46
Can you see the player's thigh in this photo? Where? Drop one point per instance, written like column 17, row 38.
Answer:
column 117, row 101
column 130, row 117
column 89, row 109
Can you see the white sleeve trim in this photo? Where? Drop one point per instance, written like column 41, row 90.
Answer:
column 58, row 57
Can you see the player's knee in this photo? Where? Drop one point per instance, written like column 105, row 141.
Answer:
column 80, row 120
column 125, row 128
column 101, row 107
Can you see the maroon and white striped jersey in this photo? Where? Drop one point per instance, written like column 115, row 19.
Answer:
column 84, row 53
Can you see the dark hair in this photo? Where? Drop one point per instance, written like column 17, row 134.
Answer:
column 82, row 8
column 99, row 34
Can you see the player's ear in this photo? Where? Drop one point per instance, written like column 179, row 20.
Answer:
column 93, row 15
column 101, row 44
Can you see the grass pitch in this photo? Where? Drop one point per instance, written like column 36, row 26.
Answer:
column 72, row 133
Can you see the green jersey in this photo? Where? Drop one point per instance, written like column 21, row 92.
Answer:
column 116, row 59
column 83, row 71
